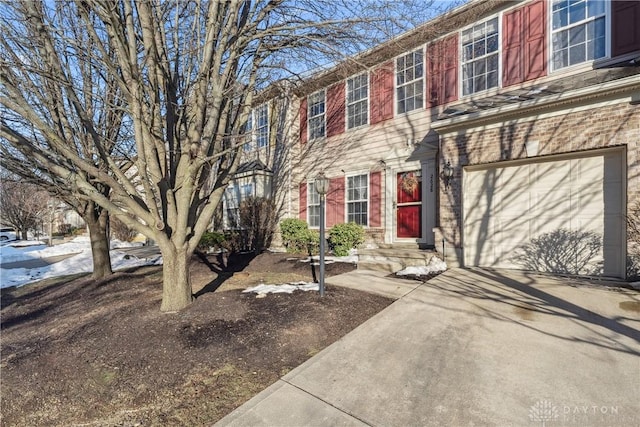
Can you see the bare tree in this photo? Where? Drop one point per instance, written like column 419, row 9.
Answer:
column 22, row 205
column 181, row 76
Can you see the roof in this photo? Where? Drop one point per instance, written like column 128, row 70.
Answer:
column 253, row 166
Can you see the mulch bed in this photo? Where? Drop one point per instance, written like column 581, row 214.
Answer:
column 100, row 353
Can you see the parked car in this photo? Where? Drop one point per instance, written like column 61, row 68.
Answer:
column 7, row 233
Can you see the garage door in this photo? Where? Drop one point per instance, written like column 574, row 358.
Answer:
column 561, row 216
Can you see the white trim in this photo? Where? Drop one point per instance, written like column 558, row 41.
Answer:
column 324, row 92
column 346, row 195
column 589, row 64
column 311, row 184
column 461, row 95
column 422, row 49
column 346, row 102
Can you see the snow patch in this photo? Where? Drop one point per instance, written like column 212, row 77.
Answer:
column 436, row 265
column 287, row 288
column 81, row 262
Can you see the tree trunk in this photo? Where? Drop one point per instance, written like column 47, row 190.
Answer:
column 99, row 244
column 176, row 289
column 23, row 233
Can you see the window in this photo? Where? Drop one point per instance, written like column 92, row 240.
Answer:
column 248, row 145
column 357, row 105
column 578, row 32
column 260, row 117
column 313, row 206
column 480, row 57
column 409, row 81
column 234, row 195
column 358, row 199
column 316, row 115
column 231, row 208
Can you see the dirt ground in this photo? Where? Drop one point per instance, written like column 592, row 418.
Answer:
column 76, row 351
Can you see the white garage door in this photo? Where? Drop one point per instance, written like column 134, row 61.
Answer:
column 562, row 216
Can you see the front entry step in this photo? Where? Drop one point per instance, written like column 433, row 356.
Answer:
column 393, row 259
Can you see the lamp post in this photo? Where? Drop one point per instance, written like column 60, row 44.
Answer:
column 322, row 186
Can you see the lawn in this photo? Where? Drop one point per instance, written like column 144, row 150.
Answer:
column 100, row 353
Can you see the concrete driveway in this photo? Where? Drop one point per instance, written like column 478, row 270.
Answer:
column 472, row 348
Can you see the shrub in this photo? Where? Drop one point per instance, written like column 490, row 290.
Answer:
column 120, row 230
column 297, row 237
column 343, row 237
column 257, row 220
column 211, row 239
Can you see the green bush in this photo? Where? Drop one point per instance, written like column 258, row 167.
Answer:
column 211, row 239
column 297, row 237
column 343, row 237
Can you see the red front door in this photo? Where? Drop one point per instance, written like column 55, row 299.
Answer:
column 409, row 205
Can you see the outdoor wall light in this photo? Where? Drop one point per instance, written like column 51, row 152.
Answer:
column 321, row 183
column 447, row 173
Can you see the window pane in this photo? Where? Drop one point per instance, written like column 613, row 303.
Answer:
column 581, row 37
column 577, row 12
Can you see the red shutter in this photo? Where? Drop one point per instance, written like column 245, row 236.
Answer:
column 625, row 27
column 303, row 201
column 335, row 109
column 512, row 47
column 433, row 74
column 442, row 71
column 335, row 202
column 535, row 48
column 381, row 99
column 303, row 121
column 450, row 69
column 375, row 199
column 524, row 47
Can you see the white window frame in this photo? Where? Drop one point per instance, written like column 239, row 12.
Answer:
column 367, row 200
column 355, row 100
column 484, row 57
column 257, row 128
column 231, row 207
column 235, row 194
column 606, row 14
column 320, row 116
column 261, row 120
column 415, row 82
column 313, row 201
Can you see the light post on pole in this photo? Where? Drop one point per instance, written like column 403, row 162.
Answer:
column 322, row 186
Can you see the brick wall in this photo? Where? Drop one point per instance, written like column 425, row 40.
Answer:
column 600, row 127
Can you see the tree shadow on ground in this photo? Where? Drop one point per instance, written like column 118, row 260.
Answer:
column 562, row 251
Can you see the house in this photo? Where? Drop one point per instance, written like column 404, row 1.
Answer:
column 501, row 134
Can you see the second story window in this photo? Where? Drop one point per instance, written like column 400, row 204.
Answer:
column 257, row 128
column 409, row 81
column 317, row 115
column 357, row 96
column 578, row 32
column 261, row 118
column 480, row 46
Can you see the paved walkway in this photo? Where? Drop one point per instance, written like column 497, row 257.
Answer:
column 469, row 348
